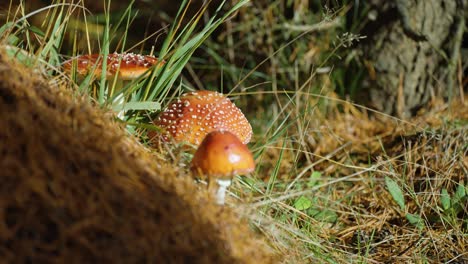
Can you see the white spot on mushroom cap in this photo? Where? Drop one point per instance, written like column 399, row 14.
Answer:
column 234, row 158
column 211, row 111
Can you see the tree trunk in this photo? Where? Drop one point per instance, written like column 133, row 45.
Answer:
column 411, row 53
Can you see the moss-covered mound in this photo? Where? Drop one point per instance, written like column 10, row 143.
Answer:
column 74, row 187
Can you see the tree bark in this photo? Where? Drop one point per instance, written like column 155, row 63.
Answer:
column 409, row 53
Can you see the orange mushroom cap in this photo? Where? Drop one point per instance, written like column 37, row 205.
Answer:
column 195, row 114
column 128, row 65
column 222, row 155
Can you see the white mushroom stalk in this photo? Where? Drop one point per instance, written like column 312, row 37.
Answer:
column 118, row 103
column 220, row 194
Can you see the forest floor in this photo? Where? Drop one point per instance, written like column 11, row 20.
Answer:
column 366, row 188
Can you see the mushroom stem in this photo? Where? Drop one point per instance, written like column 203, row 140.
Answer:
column 118, row 103
column 221, row 187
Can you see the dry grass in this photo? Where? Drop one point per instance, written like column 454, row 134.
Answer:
column 353, row 216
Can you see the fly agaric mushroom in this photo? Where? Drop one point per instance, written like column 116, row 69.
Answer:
column 220, row 157
column 128, row 66
column 195, row 114
column 124, row 67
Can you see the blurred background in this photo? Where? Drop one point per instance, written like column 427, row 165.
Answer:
column 372, row 52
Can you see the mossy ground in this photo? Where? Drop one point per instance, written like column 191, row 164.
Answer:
column 76, row 187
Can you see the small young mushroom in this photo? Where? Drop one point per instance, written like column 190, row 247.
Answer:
column 125, row 67
column 220, row 157
column 190, row 118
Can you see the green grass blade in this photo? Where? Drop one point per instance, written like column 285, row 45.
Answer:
column 396, row 192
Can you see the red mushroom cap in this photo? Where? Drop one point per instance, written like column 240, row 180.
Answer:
column 131, row 66
column 195, row 114
column 222, row 155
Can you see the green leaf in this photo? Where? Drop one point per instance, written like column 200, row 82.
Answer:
column 13, row 40
column 302, row 203
column 313, row 179
column 326, row 215
column 249, row 181
column 5, row 28
column 445, row 199
column 274, row 175
column 415, row 220
column 21, row 55
column 460, row 193
column 396, row 192
column 37, row 31
column 50, row 49
column 131, row 129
